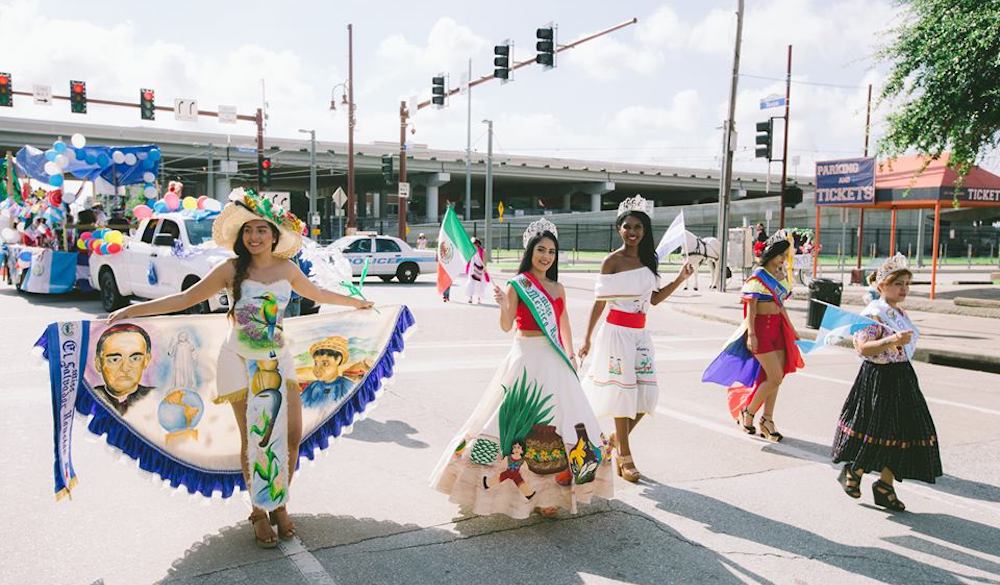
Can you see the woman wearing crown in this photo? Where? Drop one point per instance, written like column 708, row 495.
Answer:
column 762, row 351
column 532, row 443
column 885, row 425
column 621, row 378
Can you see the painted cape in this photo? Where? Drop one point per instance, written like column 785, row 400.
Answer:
column 180, row 433
column 736, row 367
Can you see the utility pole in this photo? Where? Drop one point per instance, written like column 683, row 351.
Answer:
column 468, row 146
column 861, row 215
column 312, row 179
column 260, row 142
column 352, row 214
column 211, row 173
column 784, row 153
column 728, row 131
column 403, row 115
column 489, row 189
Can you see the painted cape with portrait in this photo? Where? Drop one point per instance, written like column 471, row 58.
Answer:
column 148, row 387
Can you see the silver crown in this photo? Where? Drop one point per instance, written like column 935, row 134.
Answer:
column 637, row 203
column 890, row 266
column 539, row 227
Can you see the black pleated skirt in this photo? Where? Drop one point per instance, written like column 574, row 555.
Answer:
column 885, row 423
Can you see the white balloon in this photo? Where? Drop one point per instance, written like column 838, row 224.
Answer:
column 213, row 205
column 62, row 160
column 78, row 140
column 68, row 198
column 149, row 177
column 70, row 154
column 130, row 159
column 52, row 168
column 118, row 156
column 150, row 192
column 10, row 236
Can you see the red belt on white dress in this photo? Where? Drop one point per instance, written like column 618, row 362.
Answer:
column 623, row 319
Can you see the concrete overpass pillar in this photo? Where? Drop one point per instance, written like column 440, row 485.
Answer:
column 222, row 188
column 567, row 202
column 595, row 190
column 432, row 182
column 595, row 201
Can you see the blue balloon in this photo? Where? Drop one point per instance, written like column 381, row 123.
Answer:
column 103, row 160
column 50, row 154
column 160, row 206
column 59, row 146
column 150, row 202
column 154, row 154
column 90, row 157
column 148, row 164
column 56, row 180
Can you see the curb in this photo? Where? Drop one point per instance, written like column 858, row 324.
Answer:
column 943, row 357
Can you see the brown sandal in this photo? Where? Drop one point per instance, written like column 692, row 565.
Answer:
column 286, row 533
column 267, row 542
column 627, row 469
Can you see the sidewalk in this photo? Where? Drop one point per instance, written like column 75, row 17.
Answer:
column 957, row 340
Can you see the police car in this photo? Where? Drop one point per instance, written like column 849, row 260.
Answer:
column 389, row 257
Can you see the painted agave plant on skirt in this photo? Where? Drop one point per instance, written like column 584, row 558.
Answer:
column 523, row 407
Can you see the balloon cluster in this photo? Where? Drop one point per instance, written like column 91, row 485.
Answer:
column 102, row 242
column 174, row 200
column 59, row 157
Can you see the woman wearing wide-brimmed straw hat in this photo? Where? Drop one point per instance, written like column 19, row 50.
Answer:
column 255, row 372
column 762, row 351
column 885, row 425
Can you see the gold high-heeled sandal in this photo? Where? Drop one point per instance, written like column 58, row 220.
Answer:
column 768, row 430
column 288, row 532
column 269, row 542
column 627, row 470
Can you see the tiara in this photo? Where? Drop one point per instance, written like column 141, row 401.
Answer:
column 893, row 264
column 537, row 228
column 637, row 203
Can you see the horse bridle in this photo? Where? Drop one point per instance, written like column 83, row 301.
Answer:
column 701, row 249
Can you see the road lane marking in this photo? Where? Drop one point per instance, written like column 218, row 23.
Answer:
column 930, row 399
column 308, row 565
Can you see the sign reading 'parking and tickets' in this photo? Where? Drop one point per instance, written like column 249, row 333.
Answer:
column 848, row 181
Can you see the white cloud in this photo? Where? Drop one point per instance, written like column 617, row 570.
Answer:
column 637, row 120
column 448, row 46
column 606, row 59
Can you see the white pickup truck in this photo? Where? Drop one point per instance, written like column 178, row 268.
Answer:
column 167, row 253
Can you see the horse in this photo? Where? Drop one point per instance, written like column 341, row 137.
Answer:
column 699, row 251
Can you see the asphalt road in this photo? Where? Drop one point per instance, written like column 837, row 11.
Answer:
column 716, row 505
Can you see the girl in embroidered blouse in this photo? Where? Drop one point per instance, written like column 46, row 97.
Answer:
column 885, row 425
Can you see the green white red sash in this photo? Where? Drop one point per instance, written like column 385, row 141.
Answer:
column 534, row 296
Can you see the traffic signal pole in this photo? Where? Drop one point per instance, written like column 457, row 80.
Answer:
column 784, row 152
column 352, row 212
column 404, row 112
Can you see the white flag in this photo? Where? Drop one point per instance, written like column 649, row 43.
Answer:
column 674, row 238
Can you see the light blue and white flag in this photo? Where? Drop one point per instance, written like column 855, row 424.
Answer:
column 837, row 325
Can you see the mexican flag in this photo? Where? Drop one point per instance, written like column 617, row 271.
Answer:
column 454, row 250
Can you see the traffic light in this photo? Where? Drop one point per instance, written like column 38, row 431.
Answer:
column 6, row 90
column 546, row 46
column 501, row 61
column 78, row 97
column 438, row 90
column 764, row 139
column 387, row 168
column 264, row 171
column 147, row 104
column 793, row 195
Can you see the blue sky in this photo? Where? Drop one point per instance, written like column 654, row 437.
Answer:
column 655, row 92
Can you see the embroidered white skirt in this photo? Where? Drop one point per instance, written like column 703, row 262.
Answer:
column 621, row 372
column 475, row 288
column 532, row 441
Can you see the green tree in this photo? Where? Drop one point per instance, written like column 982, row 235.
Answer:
column 944, row 84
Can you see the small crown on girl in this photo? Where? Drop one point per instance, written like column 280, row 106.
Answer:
column 637, row 203
column 537, row 228
column 893, row 264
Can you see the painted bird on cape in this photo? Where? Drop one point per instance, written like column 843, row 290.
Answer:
column 269, row 312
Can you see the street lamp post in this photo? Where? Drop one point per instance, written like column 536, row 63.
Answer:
column 312, row 177
column 488, row 244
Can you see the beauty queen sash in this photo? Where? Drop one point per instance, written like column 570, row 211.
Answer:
column 534, row 296
column 896, row 320
column 148, row 387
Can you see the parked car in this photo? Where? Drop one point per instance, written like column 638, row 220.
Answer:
column 167, row 253
column 389, row 257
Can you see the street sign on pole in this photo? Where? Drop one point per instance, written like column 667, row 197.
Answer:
column 185, row 110
column 339, row 198
column 228, row 167
column 227, row 114
column 404, row 190
column 772, row 101
column 314, row 220
column 42, row 95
